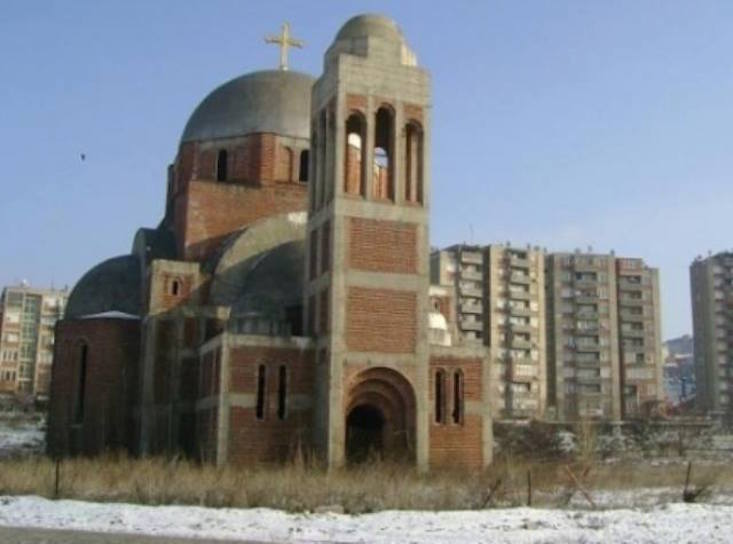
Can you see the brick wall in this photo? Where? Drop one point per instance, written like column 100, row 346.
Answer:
column 214, row 210
column 271, row 439
column 113, row 350
column 381, row 320
column 456, row 444
column 382, row 246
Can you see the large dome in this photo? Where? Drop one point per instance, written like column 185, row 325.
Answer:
column 276, row 101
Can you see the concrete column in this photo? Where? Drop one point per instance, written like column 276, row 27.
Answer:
column 147, row 412
column 369, row 150
column 223, row 430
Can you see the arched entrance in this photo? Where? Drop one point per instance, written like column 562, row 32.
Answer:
column 380, row 417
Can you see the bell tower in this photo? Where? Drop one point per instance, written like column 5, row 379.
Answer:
column 367, row 272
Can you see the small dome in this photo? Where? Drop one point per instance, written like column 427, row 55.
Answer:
column 113, row 285
column 275, row 101
column 273, row 282
column 370, row 25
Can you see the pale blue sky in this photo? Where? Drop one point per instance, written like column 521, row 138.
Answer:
column 562, row 124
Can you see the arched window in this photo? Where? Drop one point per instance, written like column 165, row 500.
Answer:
column 221, row 165
column 81, row 384
column 355, row 155
column 282, row 392
column 261, row 385
column 383, row 174
column 440, row 396
column 413, row 162
column 303, row 170
column 457, row 397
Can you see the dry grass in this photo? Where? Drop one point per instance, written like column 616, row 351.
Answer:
column 298, row 487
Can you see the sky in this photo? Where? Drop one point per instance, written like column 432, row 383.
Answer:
column 563, row 124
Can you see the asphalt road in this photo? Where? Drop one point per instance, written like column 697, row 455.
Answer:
column 20, row 535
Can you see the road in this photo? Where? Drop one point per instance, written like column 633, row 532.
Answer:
column 20, row 535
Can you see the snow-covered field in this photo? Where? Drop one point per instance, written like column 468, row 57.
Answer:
column 20, row 438
column 669, row 523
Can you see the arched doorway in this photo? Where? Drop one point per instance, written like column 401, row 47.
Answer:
column 380, row 417
column 365, row 432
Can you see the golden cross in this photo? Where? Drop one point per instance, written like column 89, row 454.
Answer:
column 284, row 41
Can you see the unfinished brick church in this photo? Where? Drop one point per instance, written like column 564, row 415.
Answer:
column 283, row 303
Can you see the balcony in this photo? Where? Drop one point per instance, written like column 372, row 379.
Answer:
column 625, row 285
column 632, row 333
column 519, row 294
column 585, row 282
column 521, row 327
column 632, row 318
column 470, row 274
column 518, row 262
column 523, row 279
column 588, row 346
column 468, row 308
column 472, row 325
column 470, row 291
column 473, row 257
column 519, row 310
column 520, row 343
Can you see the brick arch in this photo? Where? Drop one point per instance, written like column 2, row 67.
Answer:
column 392, row 395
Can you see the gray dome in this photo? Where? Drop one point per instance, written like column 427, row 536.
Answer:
column 113, row 285
column 370, row 25
column 273, row 282
column 276, row 101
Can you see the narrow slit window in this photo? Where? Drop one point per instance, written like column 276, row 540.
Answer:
column 439, row 396
column 261, row 384
column 175, row 288
column 81, row 384
column 282, row 392
column 221, row 165
column 457, row 397
column 303, row 170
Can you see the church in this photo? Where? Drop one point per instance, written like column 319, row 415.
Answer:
column 283, row 304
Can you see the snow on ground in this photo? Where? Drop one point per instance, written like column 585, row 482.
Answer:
column 671, row 523
column 20, row 438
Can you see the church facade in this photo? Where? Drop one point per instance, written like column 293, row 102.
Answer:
column 283, row 304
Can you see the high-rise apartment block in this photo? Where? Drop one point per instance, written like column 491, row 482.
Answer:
column 577, row 333
column 27, row 321
column 711, row 282
column 640, row 336
column 584, row 378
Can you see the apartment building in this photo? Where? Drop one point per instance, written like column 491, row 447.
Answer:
column 499, row 302
column 582, row 330
column 27, row 320
column 711, row 288
column 640, row 337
